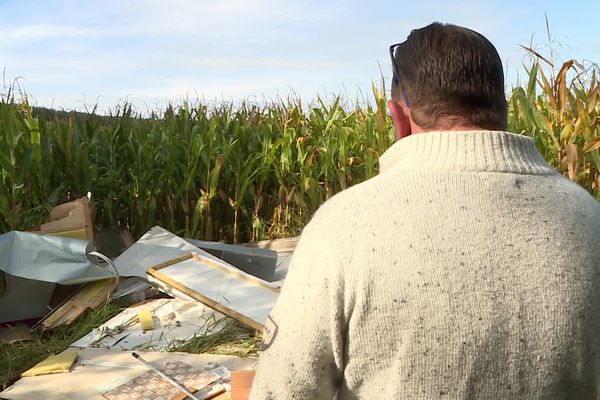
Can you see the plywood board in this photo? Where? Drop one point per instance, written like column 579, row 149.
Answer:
column 224, row 288
column 89, row 297
column 175, row 323
column 278, row 245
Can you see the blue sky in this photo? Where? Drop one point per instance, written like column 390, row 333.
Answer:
column 76, row 53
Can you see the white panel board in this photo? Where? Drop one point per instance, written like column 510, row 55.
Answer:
column 175, row 323
column 228, row 290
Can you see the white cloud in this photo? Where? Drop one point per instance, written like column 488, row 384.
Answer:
column 151, row 50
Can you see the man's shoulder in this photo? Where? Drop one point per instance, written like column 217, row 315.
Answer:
column 572, row 193
column 352, row 200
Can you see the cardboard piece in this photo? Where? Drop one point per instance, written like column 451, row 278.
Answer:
column 175, row 322
column 72, row 219
column 100, row 370
column 220, row 286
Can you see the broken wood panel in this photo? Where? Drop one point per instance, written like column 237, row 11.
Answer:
column 89, row 297
column 234, row 293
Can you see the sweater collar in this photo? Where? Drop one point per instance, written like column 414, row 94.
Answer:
column 491, row 151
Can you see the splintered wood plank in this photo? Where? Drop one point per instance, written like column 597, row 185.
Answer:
column 224, row 288
column 88, row 297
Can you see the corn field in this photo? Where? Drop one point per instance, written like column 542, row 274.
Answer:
column 248, row 172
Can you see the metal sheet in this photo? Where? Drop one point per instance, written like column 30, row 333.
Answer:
column 156, row 246
column 48, row 259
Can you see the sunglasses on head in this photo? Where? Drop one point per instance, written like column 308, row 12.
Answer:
column 396, row 79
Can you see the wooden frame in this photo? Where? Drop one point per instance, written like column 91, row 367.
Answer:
column 156, row 273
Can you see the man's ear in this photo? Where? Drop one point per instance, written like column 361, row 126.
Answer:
column 401, row 118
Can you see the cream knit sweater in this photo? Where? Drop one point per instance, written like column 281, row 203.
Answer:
column 467, row 269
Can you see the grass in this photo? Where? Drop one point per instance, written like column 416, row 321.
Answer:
column 234, row 339
column 231, row 338
column 17, row 357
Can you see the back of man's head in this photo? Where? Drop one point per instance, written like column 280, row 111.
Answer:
column 451, row 74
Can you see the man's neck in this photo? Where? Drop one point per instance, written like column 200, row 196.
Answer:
column 447, row 124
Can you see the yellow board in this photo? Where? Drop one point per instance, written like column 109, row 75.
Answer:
column 55, row 364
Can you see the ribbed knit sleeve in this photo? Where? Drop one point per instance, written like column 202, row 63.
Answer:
column 302, row 354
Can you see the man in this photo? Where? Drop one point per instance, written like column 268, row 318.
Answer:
column 467, row 269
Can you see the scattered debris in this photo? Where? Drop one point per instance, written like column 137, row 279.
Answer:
column 89, row 297
column 56, row 364
column 103, row 370
column 134, row 290
column 14, row 333
column 175, row 322
column 209, row 281
column 218, row 285
column 32, row 265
